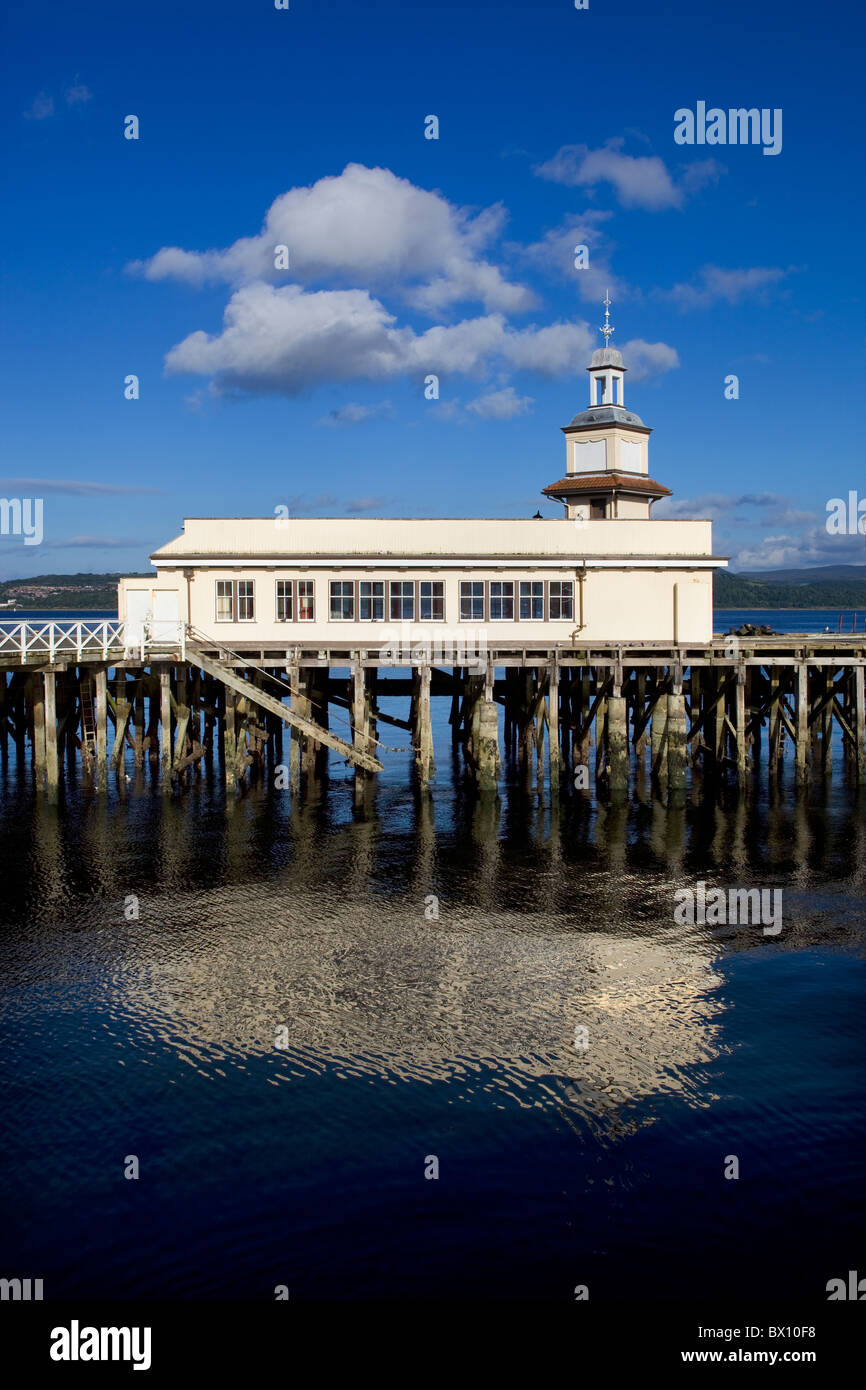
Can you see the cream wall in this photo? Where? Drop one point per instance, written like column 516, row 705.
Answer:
column 374, row 538
column 633, row 458
column 645, row 580
column 618, row 605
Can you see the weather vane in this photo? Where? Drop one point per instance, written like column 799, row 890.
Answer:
column 607, row 330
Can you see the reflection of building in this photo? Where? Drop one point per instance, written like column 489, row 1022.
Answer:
column 603, row 572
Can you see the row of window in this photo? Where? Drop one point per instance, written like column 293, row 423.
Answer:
column 495, row 600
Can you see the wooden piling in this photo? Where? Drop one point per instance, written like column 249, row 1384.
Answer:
column 859, row 721
column 617, row 741
column 676, row 738
column 49, row 705
column 801, row 751
column 422, row 730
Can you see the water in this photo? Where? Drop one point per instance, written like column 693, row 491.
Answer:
column 151, row 947
column 784, row 620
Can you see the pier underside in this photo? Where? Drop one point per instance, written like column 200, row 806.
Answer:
column 586, row 715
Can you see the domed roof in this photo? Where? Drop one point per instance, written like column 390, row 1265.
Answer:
column 607, row 414
column 607, row 357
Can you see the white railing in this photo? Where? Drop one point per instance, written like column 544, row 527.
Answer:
column 97, row 639
column 38, row 640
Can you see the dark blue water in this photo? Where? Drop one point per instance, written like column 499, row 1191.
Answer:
column 410, row 1036
column 785, row 620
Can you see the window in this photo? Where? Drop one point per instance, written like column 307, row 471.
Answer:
column 372, row 601
column 342, row 600
column 561, row 599
column 596, row 509
column 501, row 600
column 432, row 601
column 246, row 601
column 225, row 601
column 532, row 600
column 284, row 600
column 402, row 600
column 306, row 601
column 472, row 600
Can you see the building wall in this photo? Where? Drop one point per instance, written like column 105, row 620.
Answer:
column 415, row 537
column 610, row 448
column 618, row 605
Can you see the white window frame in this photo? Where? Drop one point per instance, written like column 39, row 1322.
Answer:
column 311, row 584
column 405, row 594
column 561, row 598
column 287, row 598
column 472, row 598
column 230, row 585
column 346, row 596
column 432, row 598
column 530, row 597
column 243, row 599
column 372, row 598
column 501, row 598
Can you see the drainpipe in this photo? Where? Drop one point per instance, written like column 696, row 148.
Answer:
column 580, row 576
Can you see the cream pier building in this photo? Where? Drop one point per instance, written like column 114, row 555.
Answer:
column 606, row 571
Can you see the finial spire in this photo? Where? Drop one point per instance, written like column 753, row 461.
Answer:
column 607, row 330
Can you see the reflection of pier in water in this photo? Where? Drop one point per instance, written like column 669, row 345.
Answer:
column 550, row 917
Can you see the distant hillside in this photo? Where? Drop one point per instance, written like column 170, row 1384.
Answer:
column 831, row 586
column 828, row 586
column 81, row 591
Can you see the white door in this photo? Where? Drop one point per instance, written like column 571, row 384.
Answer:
column 165, row 624
column 137, row 613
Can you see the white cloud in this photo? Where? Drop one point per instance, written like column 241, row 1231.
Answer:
column 648, row 359
column 42, row 108
column 78, row 95
column 714, row 285
column 285, row 341
column 554, row 255
column 501, row 405
column 364, row 226
column 353, row 413
column 639, row 181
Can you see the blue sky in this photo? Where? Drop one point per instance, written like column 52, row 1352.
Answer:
column 305, row 387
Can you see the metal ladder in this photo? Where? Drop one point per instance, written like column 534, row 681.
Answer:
column 88, row 718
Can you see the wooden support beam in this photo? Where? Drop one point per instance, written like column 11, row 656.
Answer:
column 165, row 726
column 552, row 700
column 858, row 677
column 37, row 701
column 676, row 740
column 617, row 742
column 230, row 743
column 49, row 705
column 487, row 759
column 422, row 734
column 100, row 700
column 289, row 716
column 123, row 708
column 740, row 722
